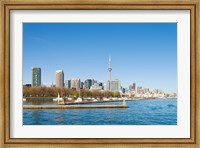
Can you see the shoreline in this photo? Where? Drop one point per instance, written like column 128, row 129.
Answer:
column 133, row 98
column 93, row 102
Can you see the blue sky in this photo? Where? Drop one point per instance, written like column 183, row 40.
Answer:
column 144, row 53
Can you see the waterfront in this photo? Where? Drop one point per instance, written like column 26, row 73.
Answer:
column 139, row 112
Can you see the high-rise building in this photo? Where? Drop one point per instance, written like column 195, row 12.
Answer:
column 100, row 84
column 115, row 85
column 93, row 81
column 134, row 87
column 96, row 86
column 123, row 90
column 105, row 86
column 130, row 88
column 88, row 83
column 139, row 89
column 59, row 78
column 81, row 85
column 68, row 84
column 75, row 83
column 36, row 76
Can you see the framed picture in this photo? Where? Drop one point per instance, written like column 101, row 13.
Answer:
column 112, row 73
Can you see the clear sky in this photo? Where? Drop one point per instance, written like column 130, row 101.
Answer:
column 144, row 53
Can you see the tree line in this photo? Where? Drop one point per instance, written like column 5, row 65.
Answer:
column 43, row 91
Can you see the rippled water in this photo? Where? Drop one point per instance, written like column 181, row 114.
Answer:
column 139, row 112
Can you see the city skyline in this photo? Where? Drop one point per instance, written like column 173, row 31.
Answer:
column 153, row 65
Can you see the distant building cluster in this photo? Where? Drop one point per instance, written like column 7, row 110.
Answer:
column 142, row 92
column 113, row 85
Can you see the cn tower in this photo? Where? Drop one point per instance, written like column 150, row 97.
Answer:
column 109, row 72
column 109, row 69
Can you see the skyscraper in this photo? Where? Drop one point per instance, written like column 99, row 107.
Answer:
column 36, row 76
column 75, row 83
column 96, row 86
column 59, row 78
column 68, row 83
column 115, row 85
column 88, row 83
column 134, row 87
column 82, row 85
column 130, row 88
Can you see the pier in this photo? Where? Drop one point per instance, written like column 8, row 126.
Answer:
column 72, row 106
column 90, row 102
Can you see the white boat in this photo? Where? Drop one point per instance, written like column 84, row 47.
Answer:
column 24, row 99
column 58, row 99
column 125, row 98
column 88, row 98
column 70, row 99
column 114, row 99
column 98, row 98
column 78, row 99
column 105, row 99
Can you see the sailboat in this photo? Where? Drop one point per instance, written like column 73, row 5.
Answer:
column 58, row 99
column 79, row 99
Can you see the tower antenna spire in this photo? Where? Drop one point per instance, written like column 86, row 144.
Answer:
column 109, row 62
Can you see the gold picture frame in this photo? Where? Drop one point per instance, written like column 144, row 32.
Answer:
column 7, row 5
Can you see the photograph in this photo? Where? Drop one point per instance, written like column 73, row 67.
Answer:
column 99, row 73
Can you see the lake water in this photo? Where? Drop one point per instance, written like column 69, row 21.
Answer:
column 139, row 112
